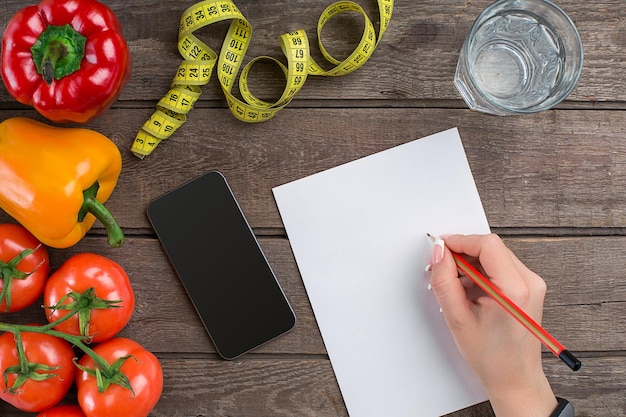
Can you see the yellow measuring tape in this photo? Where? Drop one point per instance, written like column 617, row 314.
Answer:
column 199, row 61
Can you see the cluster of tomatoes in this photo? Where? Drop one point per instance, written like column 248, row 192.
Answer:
column 87, row 301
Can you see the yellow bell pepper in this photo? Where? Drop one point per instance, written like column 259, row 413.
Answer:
column 54, row 180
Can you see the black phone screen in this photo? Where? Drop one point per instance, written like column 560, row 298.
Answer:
column 221, row 265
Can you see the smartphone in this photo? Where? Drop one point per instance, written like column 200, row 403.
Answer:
column 221, row 265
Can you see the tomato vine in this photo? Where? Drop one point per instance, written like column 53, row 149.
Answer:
column 107, row 373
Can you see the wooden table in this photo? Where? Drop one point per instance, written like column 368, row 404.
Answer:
column 553, row 185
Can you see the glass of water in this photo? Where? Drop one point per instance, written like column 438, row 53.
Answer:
column 521, row 56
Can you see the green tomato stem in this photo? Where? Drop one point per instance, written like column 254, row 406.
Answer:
column 110, row 372
column 9, row 272
column 82, row 305
column 77, row 341
column 19, row 345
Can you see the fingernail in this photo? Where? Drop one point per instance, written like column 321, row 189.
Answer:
column 440, row 310
column 428, row 268
column 438, row 250
column 430, row 287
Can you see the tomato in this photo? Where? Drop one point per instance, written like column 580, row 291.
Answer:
column 105, row 316
column 35, row 396
column 23, row 283
column 63, row 411
column 143, row 371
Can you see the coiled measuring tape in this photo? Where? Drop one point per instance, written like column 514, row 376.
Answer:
column 200, row 60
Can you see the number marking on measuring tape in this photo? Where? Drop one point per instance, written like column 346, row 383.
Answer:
column 199, row 61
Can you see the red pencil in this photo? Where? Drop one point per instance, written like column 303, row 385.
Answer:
column 535, row 328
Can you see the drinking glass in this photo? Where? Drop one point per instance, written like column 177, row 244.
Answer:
column 521, row 56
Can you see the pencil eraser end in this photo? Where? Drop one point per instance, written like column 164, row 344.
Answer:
column 571, row 360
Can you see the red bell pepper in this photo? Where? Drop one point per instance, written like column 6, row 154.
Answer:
column 66, row 58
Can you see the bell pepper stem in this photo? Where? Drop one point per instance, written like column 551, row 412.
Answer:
column 54, row 52
column 95, row 207
column 58, row 52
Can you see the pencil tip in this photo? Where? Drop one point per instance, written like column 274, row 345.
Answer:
column 427, row 234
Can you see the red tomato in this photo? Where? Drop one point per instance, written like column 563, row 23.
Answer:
column 63, row 411
column 34, row 396
column 143, row 371
column 14, row 239
column 110, row 282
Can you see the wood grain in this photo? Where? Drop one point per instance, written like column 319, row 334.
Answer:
column 556, row 169
column 416, row 59
column 552, row 185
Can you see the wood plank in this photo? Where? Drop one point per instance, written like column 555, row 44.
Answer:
column 279, row 388
column 557, row 169
column 415, row 60
column 597, row 389
column 585, row 307
column 552, row 184
column 307, row 387
column 164, row 319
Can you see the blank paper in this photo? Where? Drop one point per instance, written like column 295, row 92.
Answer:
column 358, row 233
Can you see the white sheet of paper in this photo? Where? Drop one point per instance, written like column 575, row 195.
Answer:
column 358, row 233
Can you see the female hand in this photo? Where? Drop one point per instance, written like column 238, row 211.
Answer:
column 503, row 354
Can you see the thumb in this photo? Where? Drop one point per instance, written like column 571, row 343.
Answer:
column 449, row 290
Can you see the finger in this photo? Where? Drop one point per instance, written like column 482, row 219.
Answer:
column 505, row 270
column 484, row 247
column 496, row 259
column 449, row 291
